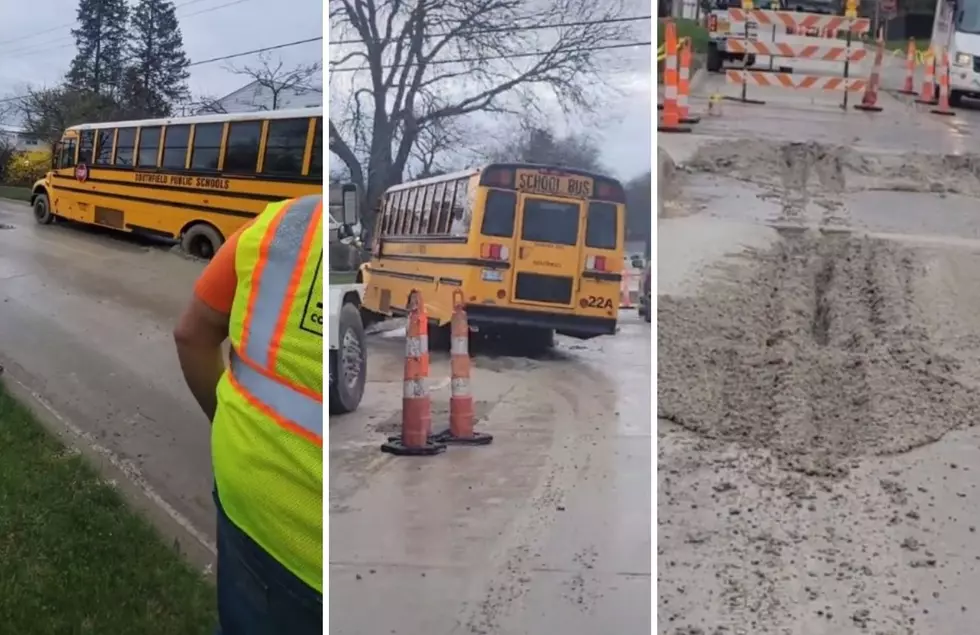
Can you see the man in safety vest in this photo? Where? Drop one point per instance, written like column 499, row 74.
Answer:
column 263, row 291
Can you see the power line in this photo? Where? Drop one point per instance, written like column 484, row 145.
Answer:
column 6, row 100
column 515, row 29
column 501, row 57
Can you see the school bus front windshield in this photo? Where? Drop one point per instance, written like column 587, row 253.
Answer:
column 532, row 248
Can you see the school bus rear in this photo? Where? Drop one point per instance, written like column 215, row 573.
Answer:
column 551, row 249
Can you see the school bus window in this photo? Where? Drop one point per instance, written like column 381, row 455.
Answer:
column 67, row 154
column 86, row 145
column 242, row 155
column 384, row 216
column 149, row 147
column 444, row 205
column 498, row 214
column 316, row 161
column 103, row 148
column 434, row 206
column 601, row 226
column 550, row 222
column 411, row 201
column 405, row 212
column 285, row 146
column 462, row 214
column 175, row 140
column 207, row 146
column 125, row 141
column 391, row 214
column 422, row 210
column 399, row 212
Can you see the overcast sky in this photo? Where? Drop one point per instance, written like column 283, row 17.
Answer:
column 38, row 52
column 622, row 129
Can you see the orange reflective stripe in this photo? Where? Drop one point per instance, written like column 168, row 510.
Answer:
column 294, row 280
column 260, row 264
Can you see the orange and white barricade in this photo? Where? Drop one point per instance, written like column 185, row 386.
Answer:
column 670, row 116
column 813, row 43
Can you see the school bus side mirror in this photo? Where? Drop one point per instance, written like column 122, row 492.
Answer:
column 350, row 203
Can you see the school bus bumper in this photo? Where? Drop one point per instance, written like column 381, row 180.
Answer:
column 580, row 326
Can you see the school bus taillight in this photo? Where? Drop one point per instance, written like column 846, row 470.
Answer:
column 494, row 251
column 596, row 263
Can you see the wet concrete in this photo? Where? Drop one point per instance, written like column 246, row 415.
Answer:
column 545, row 530
column 819, row 500
column 85, row 324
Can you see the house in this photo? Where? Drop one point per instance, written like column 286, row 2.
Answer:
column 20, row 140
column 256, row 96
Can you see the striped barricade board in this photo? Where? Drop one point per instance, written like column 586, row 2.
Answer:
column 796, row 82
column 798, row 21
column 822, row 52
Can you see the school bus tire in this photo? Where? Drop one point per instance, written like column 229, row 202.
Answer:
column 201, row 241
column 42, row 210
column 345, row 391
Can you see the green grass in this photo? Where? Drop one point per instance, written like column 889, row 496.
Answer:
column 903, row 45
column 690, row 29
column 15, row 193
column 75, row 560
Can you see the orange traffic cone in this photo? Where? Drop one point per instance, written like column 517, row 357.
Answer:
column 909, row 87
column 927, row 96
column 416, row 406
column 684, row 87
column 670, row 119
column 943, row 108
column 869, row 103
column 462, row 415
column 625, row 299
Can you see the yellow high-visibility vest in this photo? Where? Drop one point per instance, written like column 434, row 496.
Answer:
column 267, row 437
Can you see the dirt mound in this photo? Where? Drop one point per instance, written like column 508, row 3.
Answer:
column 815, row 349
column 782, row 165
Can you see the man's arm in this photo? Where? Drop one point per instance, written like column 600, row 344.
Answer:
column 199, row 334
column 203, row 327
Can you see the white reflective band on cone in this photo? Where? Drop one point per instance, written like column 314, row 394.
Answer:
column 414, row 388
column 416, row 346
column 460, row 346
column 301, row 409
column 460, row 387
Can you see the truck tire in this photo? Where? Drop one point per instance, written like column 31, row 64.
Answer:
column 715, row 61
column 348, row 367
column 955, row 98
column 42, row 210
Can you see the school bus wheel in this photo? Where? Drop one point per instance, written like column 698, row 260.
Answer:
column 201, row 241
column 42, row 210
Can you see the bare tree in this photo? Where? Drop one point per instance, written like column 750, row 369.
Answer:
column 535, row 144
column 208, row 105
column 276, row 79
column 46, row 112
column 502, row 55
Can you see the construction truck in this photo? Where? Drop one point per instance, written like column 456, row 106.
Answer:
column 348, row 350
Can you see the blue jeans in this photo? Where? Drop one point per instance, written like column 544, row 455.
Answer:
column 256, row 594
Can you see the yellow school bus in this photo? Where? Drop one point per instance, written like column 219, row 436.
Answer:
column 534, row 249
column 194, row 179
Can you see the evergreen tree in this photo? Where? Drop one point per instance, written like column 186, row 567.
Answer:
column 100, row 40
column 157, row 76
